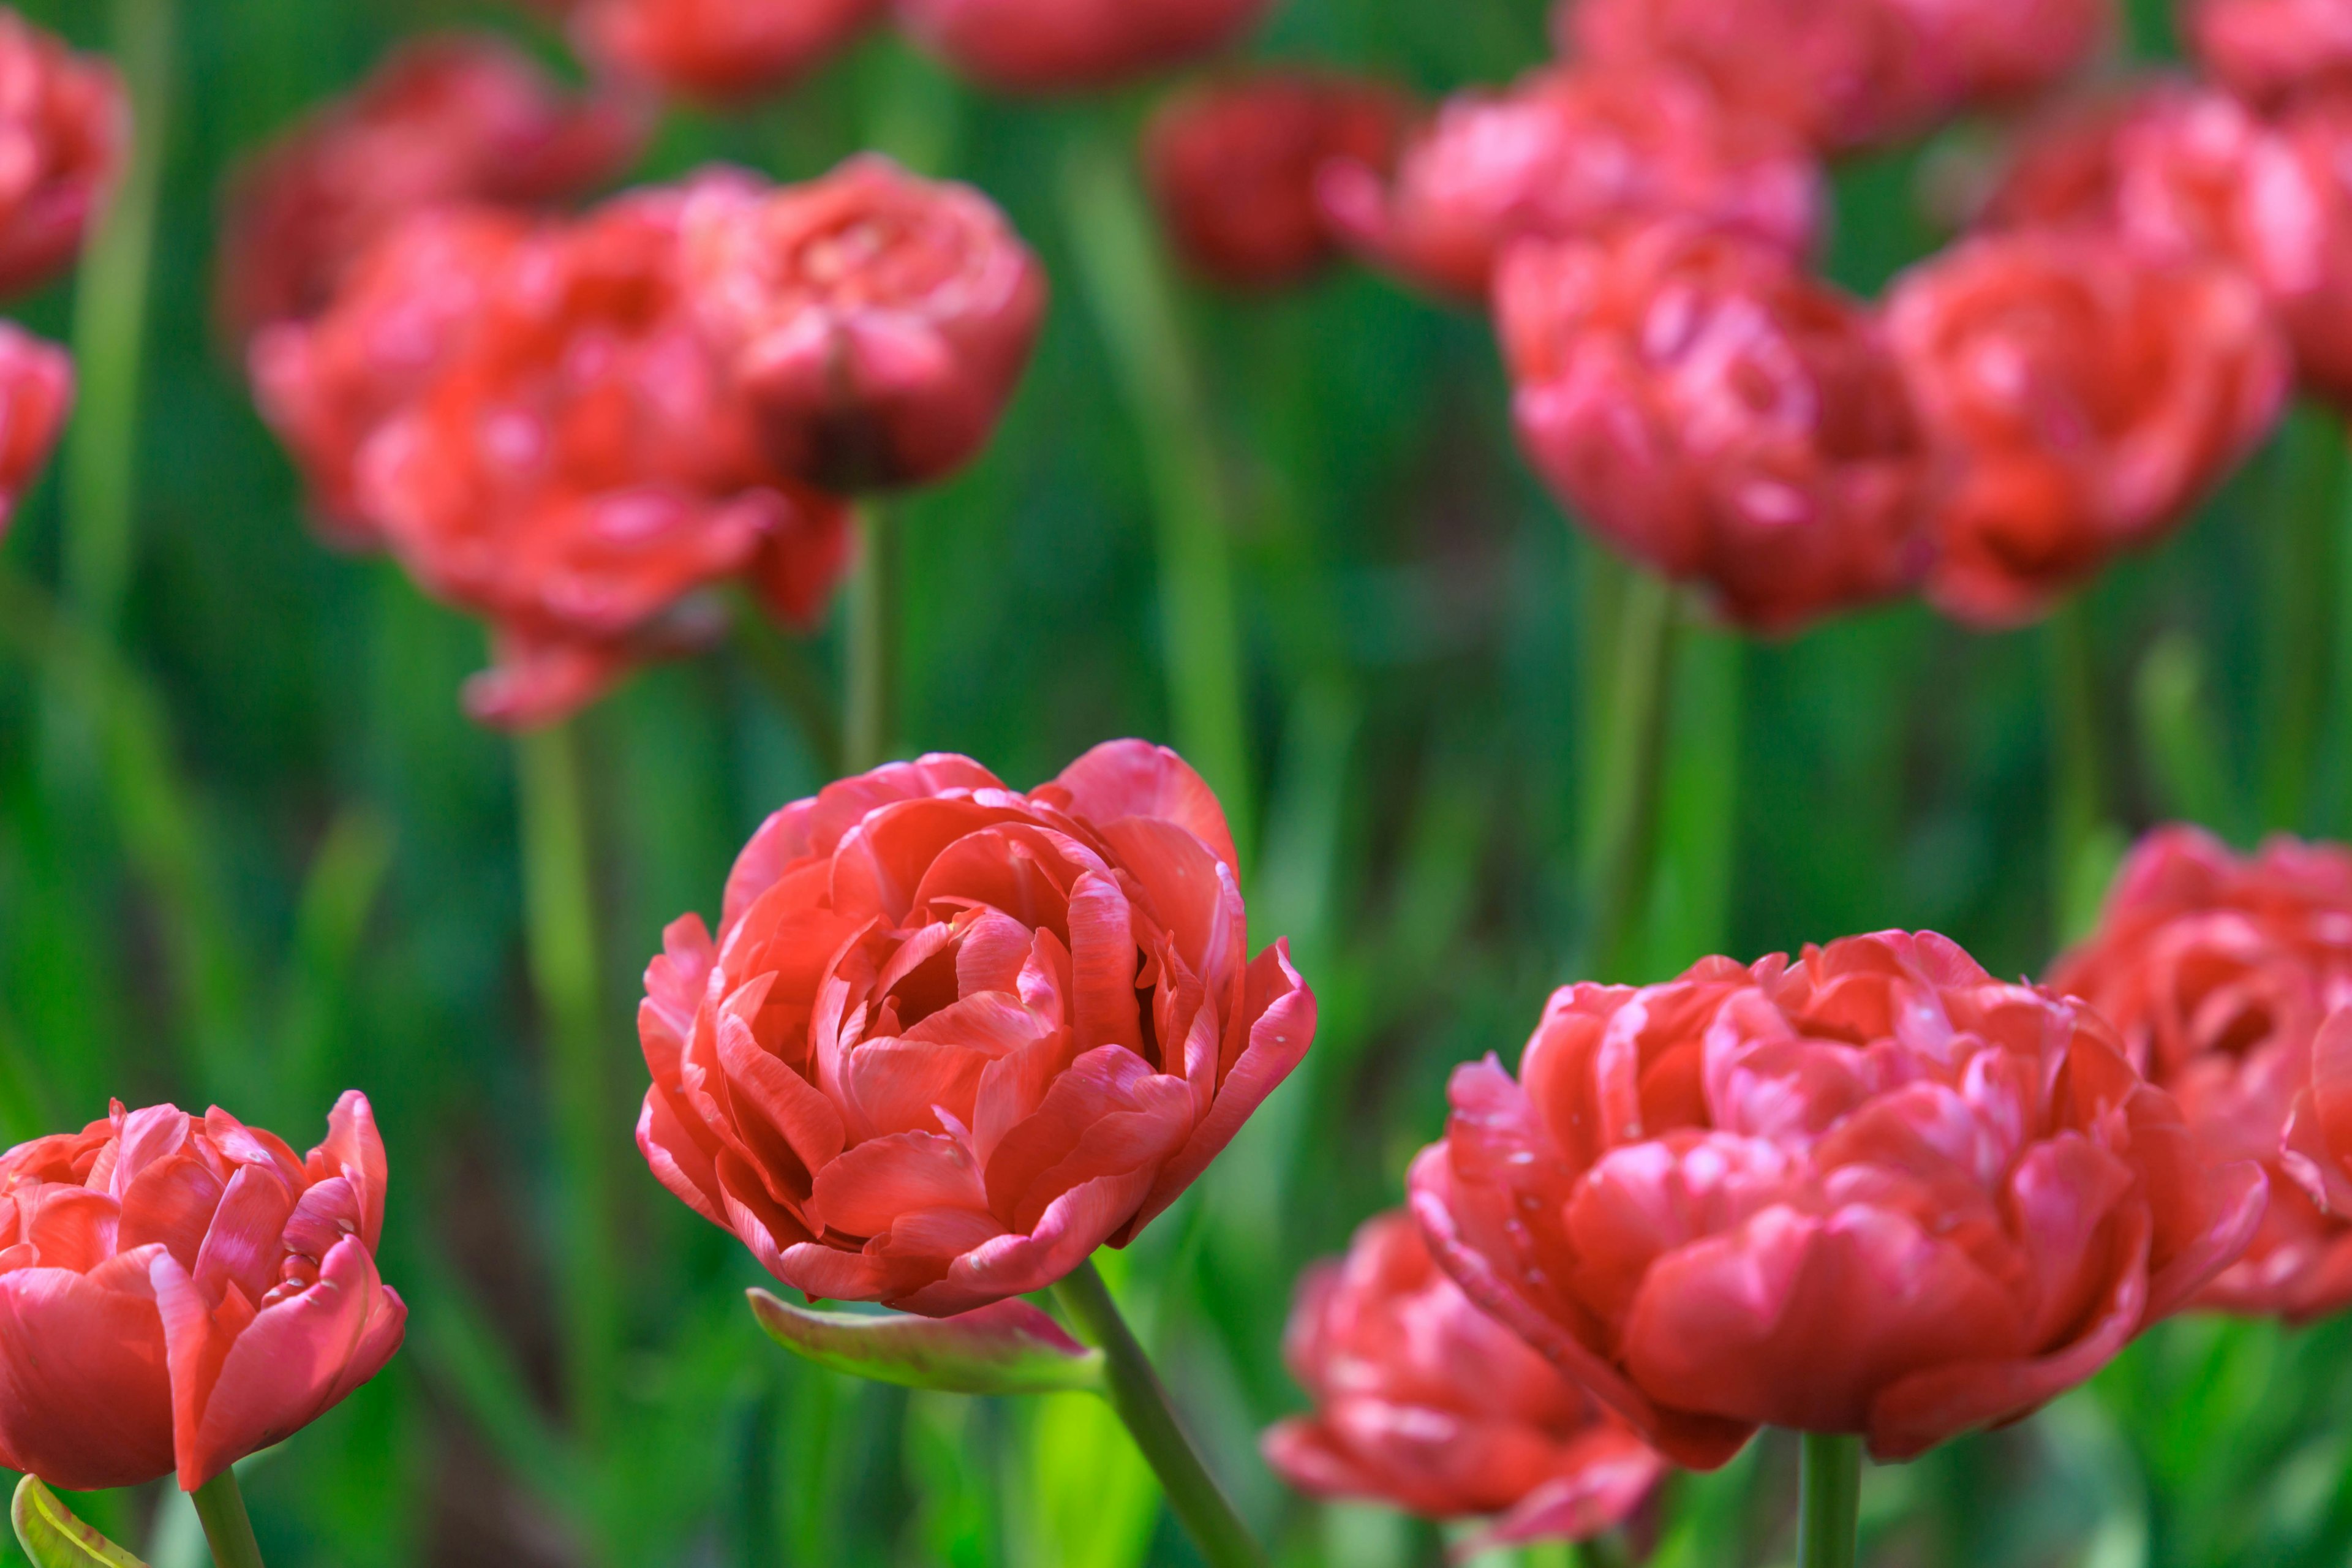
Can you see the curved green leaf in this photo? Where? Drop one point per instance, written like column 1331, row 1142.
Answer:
column 53, row 1538
column 1010, row 1347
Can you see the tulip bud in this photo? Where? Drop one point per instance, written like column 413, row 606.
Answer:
column 1874, row 1192
column 1233, row 166
column 178, row 1292
column 1424, row 1402
column 2083, row 399
column 1701, row 402
column 720, row 50
column 1562, row 154
column 876, row 322
column 2217, row 970
column 2270, row 51
column 65, row 129
column 950, row 1038
column 447, row 118
column 36, row 392
column 1072, row 46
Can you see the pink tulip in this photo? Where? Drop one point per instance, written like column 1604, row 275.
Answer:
column 36, row 393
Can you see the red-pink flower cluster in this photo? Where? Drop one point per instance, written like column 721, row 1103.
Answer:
column 65, row 129
column 1424, row 1401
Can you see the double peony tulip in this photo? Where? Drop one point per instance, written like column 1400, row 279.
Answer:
column 951, row 1038
column 178, row 1292
column 65, row 129
column 1567, row 153
column 1424, row 1401
column 2219, row 970
column 722, row 50
column 1232, row 165
column 1874, row 1192
column 1064, row 46
column 1702, row 403
column 37, row 391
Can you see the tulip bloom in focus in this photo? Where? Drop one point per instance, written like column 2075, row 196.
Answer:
column 37, row 391
column 65, row 129
column 1874, row 1192
column 720, row 49
column 2084, row 399
column 1233, row 166
column 876, row 323
column 1566, row 153
column 1707, row 407
column 2268, row 51
column 2217, row 970
column 446, row 119
column 179, row 1291
column 1424, row 1402
column 1072, row 46
column 950, row 1038
column 578, row 469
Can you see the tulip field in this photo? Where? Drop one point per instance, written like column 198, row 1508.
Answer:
column 1257, row 784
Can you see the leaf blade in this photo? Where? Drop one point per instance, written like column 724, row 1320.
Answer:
column 1008, row 1347
column 53, row 1538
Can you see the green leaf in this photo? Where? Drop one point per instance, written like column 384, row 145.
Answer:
column 53, row 1538
column 1010, row 1347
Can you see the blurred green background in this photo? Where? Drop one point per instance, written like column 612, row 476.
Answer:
column 250, row 851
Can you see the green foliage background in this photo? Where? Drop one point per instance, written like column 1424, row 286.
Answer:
column 249, row 851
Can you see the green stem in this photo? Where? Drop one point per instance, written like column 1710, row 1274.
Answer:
column 220, row 1507
column 1828, row 1500
column 2078, row 788
column 782, row 666
column 1136, row 311
column 874, row 635
column 1622, row 848
column 1142, row 1404
column 2299, row 617
column 559, row 912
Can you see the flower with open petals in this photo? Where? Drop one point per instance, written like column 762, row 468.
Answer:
column 65, row 129
column 37, row 391
column 2217, row 970
column 178, row 1292
column 1564, row 153
column 1234, row 162
column 951, row 1038
column 1424, row 1401
column 449, row 117
column 578, row 469
column 1700, row 402
column 722, row 50
column 2084, row 398
column 1874, row 1192
column 1072, row 46
column 2268, row 51
column 876, row 322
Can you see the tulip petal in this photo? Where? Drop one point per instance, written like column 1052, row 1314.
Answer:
column 101, row 1358
column 355, row 1147
column 1604, row 1481
column 870, row 1184
column 242, row 1244
column 1008, row 1347
column 1135, row 778
column 1065, row 1235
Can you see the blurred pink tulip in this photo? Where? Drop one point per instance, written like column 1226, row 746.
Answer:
column 2269, row 51
column 721, row 50
column 65, row 129
column 36, row 393
column 1073, row 45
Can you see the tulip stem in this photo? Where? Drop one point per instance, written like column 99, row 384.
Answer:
column 1828, row 1500
column 1136, row 1393
column 1626, row 777
column 871, row 734
column 221, row 1508
column 559, row 913
column 2078, row 790
column 783, row 667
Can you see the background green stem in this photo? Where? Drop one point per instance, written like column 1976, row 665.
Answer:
column 220, row 1507
column 1126, row 277
column 1828, row 1500
column 1142, row 1404
column 870, row 735
column 559, row 912
column 2083, row 842
column 782, row 665
column 1621, row 838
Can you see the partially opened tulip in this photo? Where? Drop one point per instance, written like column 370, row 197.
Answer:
column 950, row 1038
column 722, row 50
column 65, row 129
column 876, row 324
column 1567, row 154
column 1072, row 46
column 578, row 470
column 1875, row 1192
column 1704, row 404
column 178, row 1292
column 1424, row 1402
column 1233, row 166
column 449, row 117
column 2218, row 969
column 2083, row 397
column 2269, row 51
column 37, row 391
